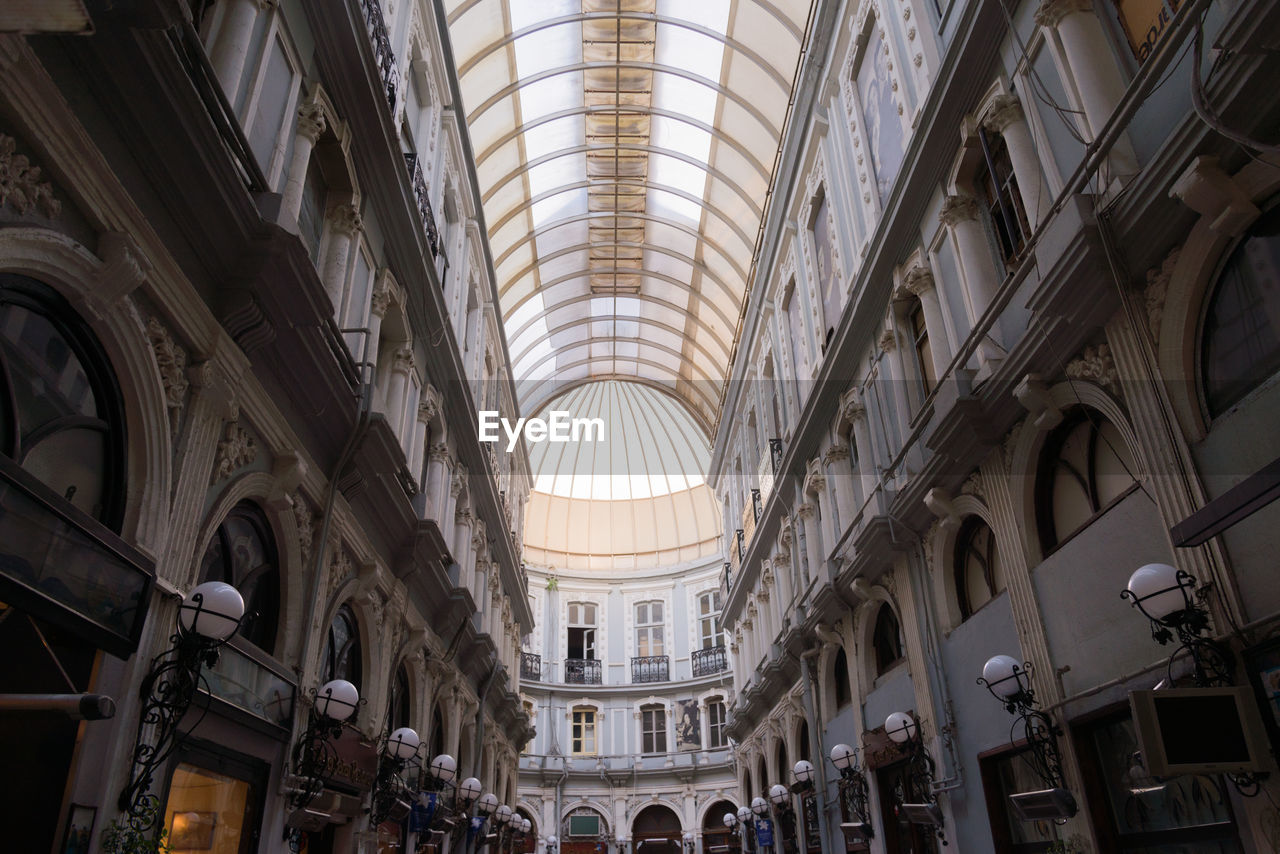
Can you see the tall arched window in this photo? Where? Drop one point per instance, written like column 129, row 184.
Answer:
column 242, row 553
column 342, row 653
column 1084, row 468
column 400, row 706
column 437, row 731
column 920, row 346
column 998, row 189
column 886, row 640
column 840, row 676
column 979, row 576
column 62, row 416
column 1240, row 342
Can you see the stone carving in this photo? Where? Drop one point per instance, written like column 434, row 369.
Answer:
column 171, row 359
column 340, row 565
column 20, row 184
column 973, row 486
column 236, row 449
column 345, row 220
column 1005, row 110
column 957, row 209
column 311, row 122
column 305, row 520
column 1156, row 291
column 888, row 340
column 1095, row 364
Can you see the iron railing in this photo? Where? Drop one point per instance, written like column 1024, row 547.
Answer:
column 531, row 666
column 423, row 199
column 775, row 454
column 383, row 54
column 709, row 661
column 650, row 668
column 582, row 671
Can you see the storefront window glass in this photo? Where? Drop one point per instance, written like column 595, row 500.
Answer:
column 209, row 812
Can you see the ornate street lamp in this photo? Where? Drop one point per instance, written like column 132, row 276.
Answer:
column 314, row 755
column 780, row 797
column 551, row 844
column 903, row 730
column 689, row 842
column 1163, row 594
column 1009, row 681
column 398, row 749
column 853, row 788
column 748, row 828
column 207, row 618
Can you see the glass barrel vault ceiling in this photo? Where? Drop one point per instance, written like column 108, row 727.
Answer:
column 624, row 150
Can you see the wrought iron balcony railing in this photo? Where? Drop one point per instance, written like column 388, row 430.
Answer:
column 775, row 454
column 531, row 666
column 650, row 668
column 709, row 661
column 383, row 54
column 423, row 199
column 582, row 671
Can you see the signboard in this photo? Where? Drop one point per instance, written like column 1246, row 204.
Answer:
column 764, row 833
column 1145, row 22
column 879, row 750
column 423, row 811
column 354, row 764
column 812, row 834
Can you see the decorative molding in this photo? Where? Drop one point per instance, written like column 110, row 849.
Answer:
column 124, row 266
column 852, row 408
column 938, row 502
column 340, row 564
column 171, row 359
column 973, row 486
column 305, row 521
column 1003, row 111
column 1034, row 396
column 1157, row 290
column 236, row 449
column 1095, row 364
column 345, row 219
column 20, row 184
column 1053, row 11
column 836, row 453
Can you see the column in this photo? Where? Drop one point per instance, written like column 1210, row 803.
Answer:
column 344, row 222
column 398, row 388
column 379, row 302
column 807, row 514
column 311, row 124
column 1007, row 119
column 897, row 375
column 437, row 480
column 1096, row 75
column 981, row 280
column 231, row 48
column 461, row 546
column 418, row 444
column 840, row 475
column 855, row 412
column 784, row 569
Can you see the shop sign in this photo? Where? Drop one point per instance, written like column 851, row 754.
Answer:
column 354, row 763
column 878, row 750
column 1145, row 22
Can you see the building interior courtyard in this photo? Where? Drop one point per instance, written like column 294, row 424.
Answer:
column 640, row 426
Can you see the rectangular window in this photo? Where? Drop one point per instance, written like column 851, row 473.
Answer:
column 653, row 724
column 1003, row 199
column 709, row 619
column 584, row 732
column 715, row 724
column 214, row 801
column 649, row 629
column 582, row 630
column 272, row 102
column 795, row 329
column 924, row 354
column 878, row 96
column 311, row 214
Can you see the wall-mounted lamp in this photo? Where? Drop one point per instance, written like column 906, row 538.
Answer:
column 389, row 787
column 903, row 730
column 207, row 618
column 314, row 756
column 854, row 790
column 1009, row 681
column 1164, row 595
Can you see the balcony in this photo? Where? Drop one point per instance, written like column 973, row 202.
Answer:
column 650, row 668
column 531, row 666
column 709, row 661
column 582, row 671
column 414, row 166
column 383, row 54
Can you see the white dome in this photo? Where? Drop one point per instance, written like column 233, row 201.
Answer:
column 637, row 499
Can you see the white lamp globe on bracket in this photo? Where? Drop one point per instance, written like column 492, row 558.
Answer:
column 469, row 789
column 843, row 757
column 1161, row 592
column 778, row 794
column 445, row 768
column 503, row 815
column 744, row 814
column 402, row 744
column 803, row 772
column 730, row 820
column 337, row 700
column 211, row 611
column 900, row 727
column 487, row 804
column 759, row 806
column 1009, row 681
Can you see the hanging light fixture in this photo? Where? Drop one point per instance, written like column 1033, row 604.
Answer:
column 853, row 788
column 903, row 729
column 1166, row 596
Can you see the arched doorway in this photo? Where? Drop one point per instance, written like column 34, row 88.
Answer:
column 584, row 831
column 656, row 830
column 530, row 843
column 716, row 838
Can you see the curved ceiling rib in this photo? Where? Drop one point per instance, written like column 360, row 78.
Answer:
column 626, row 148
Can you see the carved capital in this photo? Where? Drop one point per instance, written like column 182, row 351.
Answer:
column 438, row 453
column 888, row 340
column 836, row 453
column 402, row 360
column 236, row 450
column 1005, row 110
column 918, row 280
column 805, row 512
column 20, row 184
column 311, row 122
column 345, row 219
column 852, row 409
column 1053, row 11
column 1095, row 364
column 171, row 359
column 958, row 209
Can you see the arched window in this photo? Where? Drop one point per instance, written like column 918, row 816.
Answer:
column 784, row 768
column 998, row 190
column 62, row 416
column 1085, row 467
column 979, row 576
column 886, row 640
column 400, row 707
column 342, row 653
column 840, row 674
column 437, row 732
column 242, row 553
column 1240, row 342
